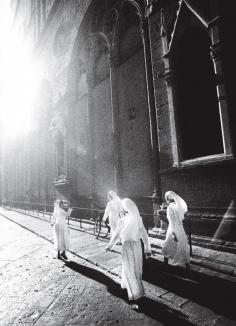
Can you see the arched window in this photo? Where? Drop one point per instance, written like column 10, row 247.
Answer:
column 198, row 115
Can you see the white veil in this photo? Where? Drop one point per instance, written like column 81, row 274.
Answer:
column 132, row 220
column 180, row 203
column 114, row 198
column 58, row 211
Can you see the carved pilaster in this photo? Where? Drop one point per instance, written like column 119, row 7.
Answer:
column 113, row 59
column 216, row 52
column 169, row 76
column 149, row 7
column 89, row 58
column 144, row 29
column 168, row 18
column 109, row 22
column 216, row 55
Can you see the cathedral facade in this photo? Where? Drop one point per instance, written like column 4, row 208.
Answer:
column 137, row 96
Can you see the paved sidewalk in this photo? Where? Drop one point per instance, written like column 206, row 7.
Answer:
column 202, row 296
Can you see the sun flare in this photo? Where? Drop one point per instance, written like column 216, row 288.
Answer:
column 19, row 80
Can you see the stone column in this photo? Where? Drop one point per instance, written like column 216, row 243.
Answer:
column 91, row 128
column 216, row 55
column 169, row 76
column 117, row 158
column 151, row 108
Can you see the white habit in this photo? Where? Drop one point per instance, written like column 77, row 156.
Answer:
column 131, row 231
column 61, row 231
column 178, row 251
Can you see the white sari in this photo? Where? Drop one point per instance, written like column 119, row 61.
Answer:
column 177, row 251
column 130, row 231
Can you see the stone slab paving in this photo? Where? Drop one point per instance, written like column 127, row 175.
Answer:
column 39, row 290
column 222, row 262
column 165, row 288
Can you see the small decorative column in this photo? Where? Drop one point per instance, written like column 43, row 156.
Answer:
column 89, row 62
column 170, row 80
column 216, row 55
column 59, row 136
column 151, row 108
column 115, row 122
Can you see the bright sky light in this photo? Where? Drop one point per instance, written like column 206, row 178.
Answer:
column 19, row 78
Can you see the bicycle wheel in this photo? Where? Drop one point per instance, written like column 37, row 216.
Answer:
column 100, row 230
column 97, row 226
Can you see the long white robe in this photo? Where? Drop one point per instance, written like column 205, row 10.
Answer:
column 178, row 251
column 60, row 231
column 112, row 212
column 132, row 257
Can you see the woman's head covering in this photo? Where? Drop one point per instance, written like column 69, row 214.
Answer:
column 180, row 203
column 112, row 195
column 58, row 207
column 132, row 220
column 114, row 199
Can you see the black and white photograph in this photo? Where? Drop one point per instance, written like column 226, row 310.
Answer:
column 117, row 163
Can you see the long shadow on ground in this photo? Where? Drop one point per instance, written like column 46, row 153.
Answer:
column 149, row 307
column 209, row 291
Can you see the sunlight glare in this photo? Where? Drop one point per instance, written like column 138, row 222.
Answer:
column 19, row 81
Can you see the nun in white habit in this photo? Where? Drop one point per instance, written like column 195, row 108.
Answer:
column 60, row 230
column 175, row 246
column 112, row 210
column 130, row 230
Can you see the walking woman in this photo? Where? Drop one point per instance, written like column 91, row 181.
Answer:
column 130, row 230
column 175, row 246
column 112, row 210
column 61, row 232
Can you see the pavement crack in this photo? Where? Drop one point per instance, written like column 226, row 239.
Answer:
column 53, row 301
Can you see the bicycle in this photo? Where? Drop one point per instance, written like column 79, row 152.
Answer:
column 101, row 230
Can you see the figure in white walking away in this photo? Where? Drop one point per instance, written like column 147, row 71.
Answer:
column 60, row 231
column 130, row 230
column 112, row 211
column 175, row 246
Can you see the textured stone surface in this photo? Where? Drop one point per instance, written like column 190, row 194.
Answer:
column 199, row 310
column 39, row 290
column 44, row 291
column 175, row 299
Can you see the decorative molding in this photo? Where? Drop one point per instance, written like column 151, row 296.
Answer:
column 216, row 52
column 158, row 71
column 109, row 22
column 168, row 20
column 113, row 58
column 169, row 76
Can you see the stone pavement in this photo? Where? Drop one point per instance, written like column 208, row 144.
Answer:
column 37, row 290
column 202, row 296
